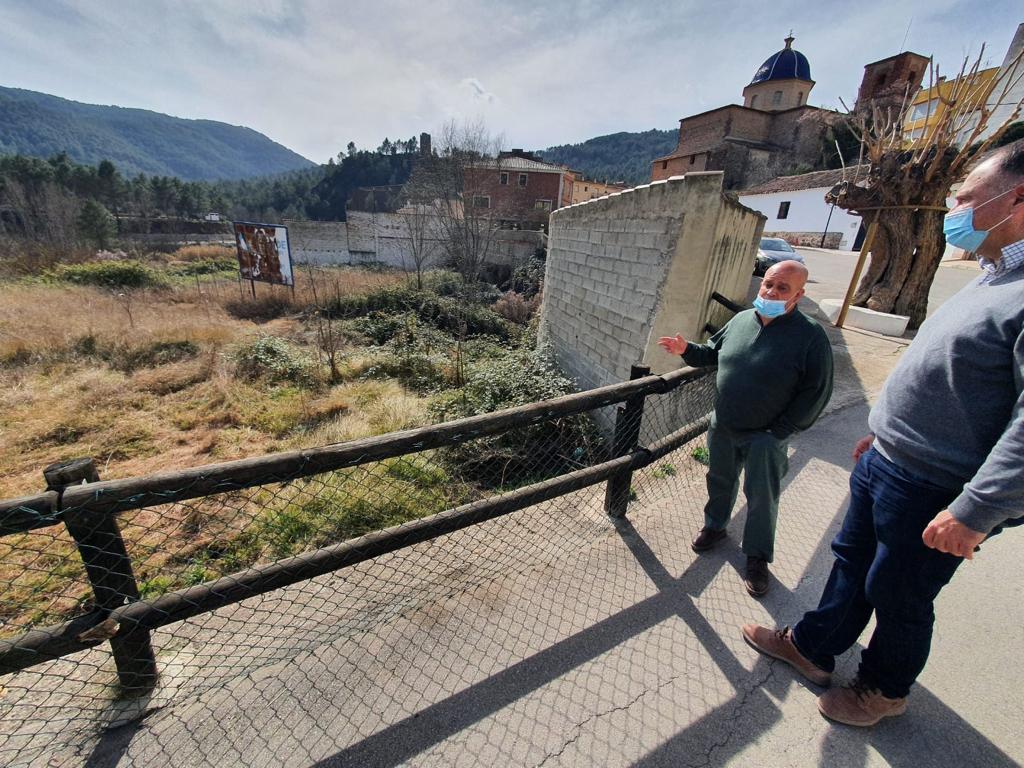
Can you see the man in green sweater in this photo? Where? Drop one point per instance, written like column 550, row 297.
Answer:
column 774, row 378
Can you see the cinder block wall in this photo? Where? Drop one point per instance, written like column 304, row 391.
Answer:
column 384, row 238
column 625, row 269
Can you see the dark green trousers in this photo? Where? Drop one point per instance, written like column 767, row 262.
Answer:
column 764, row 462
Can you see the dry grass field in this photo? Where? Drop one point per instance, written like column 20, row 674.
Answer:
column 146, row 379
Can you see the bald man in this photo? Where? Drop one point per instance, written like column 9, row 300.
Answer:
column 774, row 378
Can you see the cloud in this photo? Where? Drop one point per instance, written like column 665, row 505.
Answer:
column 478, row 89
column 316, row 74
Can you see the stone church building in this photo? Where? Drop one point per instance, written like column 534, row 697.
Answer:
column 776, row 132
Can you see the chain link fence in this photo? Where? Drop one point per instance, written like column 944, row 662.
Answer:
column 221, row 609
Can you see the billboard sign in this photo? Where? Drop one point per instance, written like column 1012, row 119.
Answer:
column 263, row 252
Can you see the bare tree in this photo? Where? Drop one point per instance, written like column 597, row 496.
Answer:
column 909, row 180
column 420, row 224
column 458, row 184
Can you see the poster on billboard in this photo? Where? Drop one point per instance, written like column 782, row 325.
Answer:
column 263, row 252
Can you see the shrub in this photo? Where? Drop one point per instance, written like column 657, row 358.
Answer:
column 528, row 278
column 445, row 313
column 417, row 372
column 380, row 327
column 515, row 307
column 527, row 453
column 128, row 357
column 269, row 306
column 207, row 267
column 273, row 359
column 110, row 274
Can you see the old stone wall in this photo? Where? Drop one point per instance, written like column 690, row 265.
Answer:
column 625, row 269
column 813, row 239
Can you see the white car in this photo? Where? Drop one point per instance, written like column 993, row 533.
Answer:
column 771, row 251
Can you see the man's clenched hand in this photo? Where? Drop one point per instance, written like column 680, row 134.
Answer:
column 947, row 534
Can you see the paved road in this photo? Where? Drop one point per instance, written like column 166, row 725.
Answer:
column 831, row 272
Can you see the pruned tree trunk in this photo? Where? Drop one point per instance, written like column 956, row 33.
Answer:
column 909, row 180
column 906, row 252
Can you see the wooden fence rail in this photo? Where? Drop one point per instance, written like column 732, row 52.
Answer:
column 126, row 620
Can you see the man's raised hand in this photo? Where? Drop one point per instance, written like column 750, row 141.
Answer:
column 674, row 345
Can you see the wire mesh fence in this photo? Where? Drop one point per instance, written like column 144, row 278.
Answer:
column 221, row 609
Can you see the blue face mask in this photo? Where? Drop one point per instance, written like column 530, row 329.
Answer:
column 769, row 308
column 959, row 227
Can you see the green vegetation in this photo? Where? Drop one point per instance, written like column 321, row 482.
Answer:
column 275, row 360
column 455, row 316
column 616, row 157
column 168, row 377
column 110, row 274
column 521, row 455
column 700, row 453
column 137, row 140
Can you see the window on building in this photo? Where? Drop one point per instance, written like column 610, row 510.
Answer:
column 542, row 205
column 522, row 179
column 481, row 201
column 880, row 81
column 783, row 210
column 923, row 110
column 693, row 159
column 776, row 98
column 753, row 101
column 912, row 76
column 503, row 178
column 664, row 165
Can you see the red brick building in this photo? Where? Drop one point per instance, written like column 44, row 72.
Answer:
column 518, row 188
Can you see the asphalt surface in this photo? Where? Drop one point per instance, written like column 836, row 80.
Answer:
column 831, row 271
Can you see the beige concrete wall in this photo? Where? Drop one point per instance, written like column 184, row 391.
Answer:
column 625, row 269
column 384, row 238
column 714, row 252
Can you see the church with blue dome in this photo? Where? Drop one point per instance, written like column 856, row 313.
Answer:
column 782, row 82
column 775, row 132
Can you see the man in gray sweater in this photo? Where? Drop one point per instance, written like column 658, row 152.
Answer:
column 940, row 471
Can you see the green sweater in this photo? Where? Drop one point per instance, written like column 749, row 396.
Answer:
column 775, row 377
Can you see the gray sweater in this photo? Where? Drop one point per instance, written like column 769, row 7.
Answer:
column 952, row 412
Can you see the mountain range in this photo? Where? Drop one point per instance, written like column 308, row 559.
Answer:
column 616, row 157
column 137, row 140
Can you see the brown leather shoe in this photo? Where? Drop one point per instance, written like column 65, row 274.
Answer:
column 707, row 539
column 778, row 644
column 859, row 704
column 757, row 579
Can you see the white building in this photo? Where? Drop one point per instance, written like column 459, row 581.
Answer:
column 797, row 211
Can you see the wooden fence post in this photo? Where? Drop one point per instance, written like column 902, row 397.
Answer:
column 109, row 569
column 627, row 432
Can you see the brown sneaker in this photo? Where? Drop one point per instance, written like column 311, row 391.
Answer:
column 707, row 539
column 859, row 704
column 778, row 644
column 757, row 579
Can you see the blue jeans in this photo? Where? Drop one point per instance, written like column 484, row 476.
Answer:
column 882, row 566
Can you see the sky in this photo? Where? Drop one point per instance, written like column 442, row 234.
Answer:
column 315, row 74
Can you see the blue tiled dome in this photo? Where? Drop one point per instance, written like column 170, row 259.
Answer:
column 784, row 65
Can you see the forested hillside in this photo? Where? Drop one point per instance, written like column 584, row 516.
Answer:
column 137, row 140
column 617, row 157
